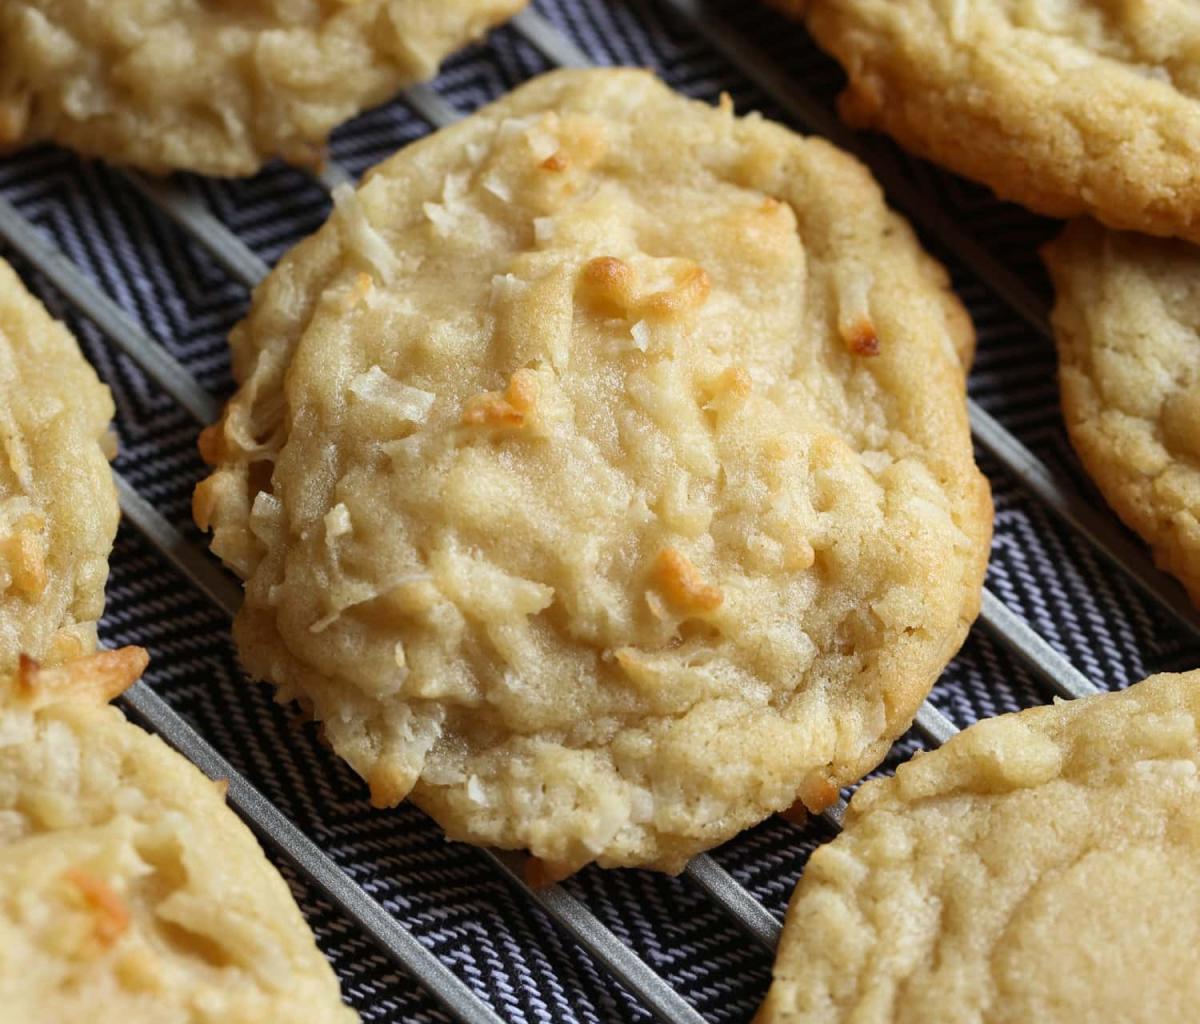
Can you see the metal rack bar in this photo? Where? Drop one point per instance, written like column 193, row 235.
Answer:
column 159, row 364
column 196, row 220
column 586, row 929
column 427, row 102
column 548, row 41
column 1029, row 645
column 735, row 900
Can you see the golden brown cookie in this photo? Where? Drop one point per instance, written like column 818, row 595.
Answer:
column 129, row 892
column 1127, row 323
column 1082, row 106
column 215, row 87
column 1041, row 866
column 600, row 474
column 58, row 504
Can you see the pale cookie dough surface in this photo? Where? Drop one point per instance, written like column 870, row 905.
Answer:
column 1040, row 866
column 1127, row 324
column 600, row 474
column 216, row 86
column 129, row 892
column 58, row 503
column 1082, row 106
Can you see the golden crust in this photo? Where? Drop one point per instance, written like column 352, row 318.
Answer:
column 58, row 503
column 1070, row 108
column 99, row 678
column 613, row 547
column 1127, row 324
column 216, row 88
column 129, row 892
column 1041, row 866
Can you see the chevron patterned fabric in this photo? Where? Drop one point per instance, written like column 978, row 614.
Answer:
column 488, row 933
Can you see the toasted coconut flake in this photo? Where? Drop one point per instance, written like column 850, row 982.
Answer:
column 358, row 291
column 681, row 583
column 690, row 292
column 95, row 678
column 211, row 442
column 817, row 794
column 23, row 552
column 512, row 409
column 854, row 324
column 608, row 283
column 111, row 914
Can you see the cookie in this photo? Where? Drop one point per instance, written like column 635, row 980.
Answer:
column 215, row 88
column 129, row 892
column 1127, row 323
column 1075, row 107
column 1041, row 866
column 58, row 503
column 600, row 474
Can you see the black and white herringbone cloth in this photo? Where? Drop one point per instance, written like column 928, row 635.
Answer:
column 448, row 895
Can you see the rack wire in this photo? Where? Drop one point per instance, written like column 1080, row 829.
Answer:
column 193, row 563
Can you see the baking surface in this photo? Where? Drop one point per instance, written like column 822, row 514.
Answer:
column 451, row 897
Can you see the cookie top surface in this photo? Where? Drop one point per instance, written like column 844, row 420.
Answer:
column 129, row 892
column 58, row 504
column 1127, row 324
column 215, row 87
column 601, row 474
column 1040, row 867
column 1081, row 106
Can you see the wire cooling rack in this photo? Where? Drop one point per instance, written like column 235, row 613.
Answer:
column 152, row 274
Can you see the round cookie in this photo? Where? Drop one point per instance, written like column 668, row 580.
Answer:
column 1082, row 106
column 216, row 88
column 600, row 474
column 1040, row 866
column 58, row 503
column 129, row 892
column 1127, row 323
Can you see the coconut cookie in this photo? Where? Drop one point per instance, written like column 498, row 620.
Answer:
column 1041, row 866
column 1127, row 323
column 58, row 504
column 600, row 474
column 216, row 88
column 1082, row 106
column 129, row 892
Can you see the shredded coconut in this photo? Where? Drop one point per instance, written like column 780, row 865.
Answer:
column 405, row 402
